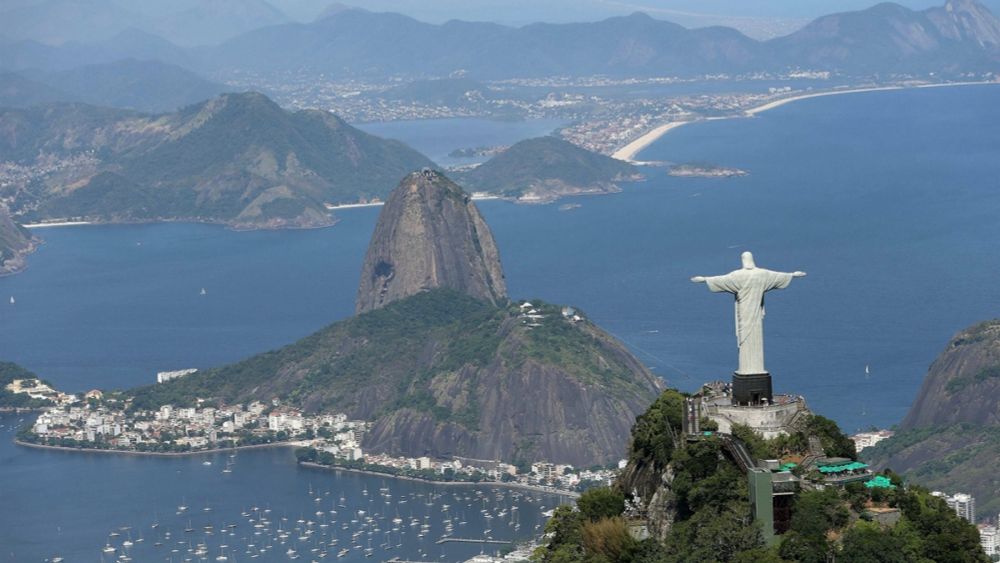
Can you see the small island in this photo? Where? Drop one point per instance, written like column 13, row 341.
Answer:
column 705, row 170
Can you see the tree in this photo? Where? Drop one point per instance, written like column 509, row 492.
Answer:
column 601, row 502
column 867, row 542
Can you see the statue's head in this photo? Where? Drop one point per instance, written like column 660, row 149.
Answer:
column 747, row 258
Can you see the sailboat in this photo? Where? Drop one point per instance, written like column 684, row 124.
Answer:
column 11, row 299
column 203, row 292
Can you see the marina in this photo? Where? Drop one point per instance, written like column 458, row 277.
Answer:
column 256, row 505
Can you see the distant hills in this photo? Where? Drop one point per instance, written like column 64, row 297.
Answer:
column 546, row 168
column 888, row 38
column 962, row 36
column 950, row 438
column 445, row 367
column 237, row 159
column 150, row 86
column 15, row 243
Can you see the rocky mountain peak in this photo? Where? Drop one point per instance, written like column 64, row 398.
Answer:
column 429, row 235
column 963, row 383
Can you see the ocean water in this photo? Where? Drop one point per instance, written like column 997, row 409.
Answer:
column 889, row 200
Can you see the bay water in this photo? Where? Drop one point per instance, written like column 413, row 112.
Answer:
column 889, row 200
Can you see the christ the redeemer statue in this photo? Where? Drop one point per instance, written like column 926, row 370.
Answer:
column 749, row 284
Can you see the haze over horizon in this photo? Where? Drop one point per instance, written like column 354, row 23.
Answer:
column 188, row 23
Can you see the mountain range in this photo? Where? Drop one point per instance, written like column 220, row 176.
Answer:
column 237, row 159
column 439, row 360
column 962, row 36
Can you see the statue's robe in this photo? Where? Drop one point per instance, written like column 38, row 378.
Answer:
column 749, row 287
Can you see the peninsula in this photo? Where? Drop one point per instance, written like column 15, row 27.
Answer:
column 543, row 169
column 439, row 362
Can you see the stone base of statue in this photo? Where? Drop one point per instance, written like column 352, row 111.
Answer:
column 752, row 389
column 778, row 416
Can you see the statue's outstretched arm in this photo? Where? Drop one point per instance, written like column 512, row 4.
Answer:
column 700, row 279
column 798, row 274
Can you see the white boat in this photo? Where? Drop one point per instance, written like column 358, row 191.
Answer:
column 11, row 299
column 203, row 292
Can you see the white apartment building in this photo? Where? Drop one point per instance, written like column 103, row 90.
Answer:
column 989, row 538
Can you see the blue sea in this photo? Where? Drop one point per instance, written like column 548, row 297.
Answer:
column 889, row 200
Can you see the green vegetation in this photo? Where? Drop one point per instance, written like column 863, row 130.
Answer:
column 958, row 383
column 985, row 330
column 955, row 457
column 710, row 510
column 835, row 443
column 8, row 400
column 342, row 359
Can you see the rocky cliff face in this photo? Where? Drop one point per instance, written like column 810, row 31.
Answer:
column 15, row 243
column 963, row 384
column 429, row 235
column 950, row 439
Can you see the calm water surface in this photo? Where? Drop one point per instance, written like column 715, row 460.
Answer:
column 888, row 200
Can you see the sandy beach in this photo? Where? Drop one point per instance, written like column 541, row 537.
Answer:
column 354, row 205
column 629, row 151
column 57, row 224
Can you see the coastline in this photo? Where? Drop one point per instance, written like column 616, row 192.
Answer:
column 154, row 454
column 308, row 464
column 536, row 488
column 56, row 224
column 632, row 149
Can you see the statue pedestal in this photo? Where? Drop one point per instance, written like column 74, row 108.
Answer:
column 752, row 389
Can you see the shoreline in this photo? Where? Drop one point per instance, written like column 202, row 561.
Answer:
column 56, row 224
column 536, row 488
column 104, row 451
column 309, row 464
column 629, row 152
